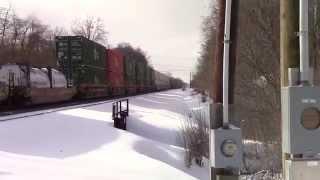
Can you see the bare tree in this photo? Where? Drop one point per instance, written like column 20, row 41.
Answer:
column 92, row 28
column 4, row 23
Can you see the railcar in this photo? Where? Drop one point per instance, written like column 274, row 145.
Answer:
column 86, row 70
column 130, row 75
column 162, row 81
column 84, row 64
column 115, row 72
column 23, row 84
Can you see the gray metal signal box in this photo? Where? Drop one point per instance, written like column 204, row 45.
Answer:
column 218, row 137
column 296, row 138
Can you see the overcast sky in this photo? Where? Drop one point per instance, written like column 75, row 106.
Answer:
column 168, row 30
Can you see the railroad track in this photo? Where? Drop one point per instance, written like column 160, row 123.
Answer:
column 52, row 108
column 14, row 115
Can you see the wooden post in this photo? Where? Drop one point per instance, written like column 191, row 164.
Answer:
column 289, row 39
column 289, row 45
column 218, row 60
column 233, row 49
column 217, row 119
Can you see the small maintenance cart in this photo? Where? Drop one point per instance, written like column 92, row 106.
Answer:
column 120, row 112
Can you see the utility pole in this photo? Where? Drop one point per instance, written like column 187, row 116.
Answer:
column 289, row 39
column 289, row 47
column 299, row 98
column 216, row 108
column 190, row 82
column 218, row 59
column 225, row 139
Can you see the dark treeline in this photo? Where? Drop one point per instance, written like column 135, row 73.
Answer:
column 257, row 82
column 131, row 52
column 26, row 40
column 30, row 41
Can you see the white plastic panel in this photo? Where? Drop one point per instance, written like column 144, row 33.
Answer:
column 302, row 170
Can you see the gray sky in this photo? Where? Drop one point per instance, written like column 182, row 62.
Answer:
column 168, row 30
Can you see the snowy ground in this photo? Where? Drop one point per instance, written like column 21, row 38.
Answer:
column 81, row 143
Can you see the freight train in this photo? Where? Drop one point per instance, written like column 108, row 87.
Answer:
column 86, row 69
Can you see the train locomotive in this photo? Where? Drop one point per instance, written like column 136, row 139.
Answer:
column 86, row 70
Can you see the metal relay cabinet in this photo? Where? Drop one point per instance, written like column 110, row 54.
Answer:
column 301, row 131
column 226, row 151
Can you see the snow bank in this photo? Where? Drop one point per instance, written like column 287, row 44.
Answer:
column 81, row 143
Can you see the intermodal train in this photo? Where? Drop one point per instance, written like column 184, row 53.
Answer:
column 86, row 69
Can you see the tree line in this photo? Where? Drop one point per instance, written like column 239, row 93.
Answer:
column 257, row 81
column 29, row 41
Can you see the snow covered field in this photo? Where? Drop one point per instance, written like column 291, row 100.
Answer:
column 81, row 143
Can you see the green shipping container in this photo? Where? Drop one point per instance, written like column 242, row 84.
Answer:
column 130, row 71
column 149, row 77
column 141, row 72
column 83, row 61
column 152, row 78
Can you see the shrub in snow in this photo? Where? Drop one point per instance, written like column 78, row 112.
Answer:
column 195, row 137
column 261, row 157
column 263, row 175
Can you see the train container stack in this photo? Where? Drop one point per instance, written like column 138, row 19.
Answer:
column 141, row 73
column 84, row 64
column 130, row 77
column 176, row 83
column 162, row 81
column 115, row 73
column 86, row 70
column 149, row 80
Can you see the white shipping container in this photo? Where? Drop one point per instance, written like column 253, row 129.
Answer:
column 162, row 81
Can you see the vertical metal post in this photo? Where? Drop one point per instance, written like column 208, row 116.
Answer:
column 128, row 106
column 226, row 55
column 190, row 80
column 50, row 76
column 304, row 41
column 117, row 110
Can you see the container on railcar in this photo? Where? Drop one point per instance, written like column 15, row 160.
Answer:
column 130, row 75
column 115, row 72
column 84, row 63
column 162, row 81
